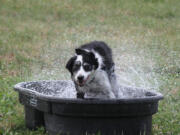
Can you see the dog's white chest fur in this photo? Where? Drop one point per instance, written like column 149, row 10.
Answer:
column 99, row 87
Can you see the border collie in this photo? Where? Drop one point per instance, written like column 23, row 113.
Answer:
column 92, row 71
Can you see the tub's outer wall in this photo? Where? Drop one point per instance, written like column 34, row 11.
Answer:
column 56, row 124
column 86, row 117
column 104, row 110
column 33, row 117
column 89, row 119
column 72, row 119
column 34, row 102
column 34, row 110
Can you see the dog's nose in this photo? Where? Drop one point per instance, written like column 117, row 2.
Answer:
column 80, row 78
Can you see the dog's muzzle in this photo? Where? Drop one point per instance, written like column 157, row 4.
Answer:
column 81, row 82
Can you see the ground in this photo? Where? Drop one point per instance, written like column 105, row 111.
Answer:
column 38, row 37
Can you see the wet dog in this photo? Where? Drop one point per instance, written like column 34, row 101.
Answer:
column 92, row 71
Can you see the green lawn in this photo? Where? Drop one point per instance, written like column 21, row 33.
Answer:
column 37, row 37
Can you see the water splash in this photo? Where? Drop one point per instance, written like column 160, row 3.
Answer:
column 66, row 89
column 61, row 89
column 134, row 66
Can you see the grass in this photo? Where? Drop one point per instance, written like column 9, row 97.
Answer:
column 37, row 38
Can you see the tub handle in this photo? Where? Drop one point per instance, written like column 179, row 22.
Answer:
column 33, row 102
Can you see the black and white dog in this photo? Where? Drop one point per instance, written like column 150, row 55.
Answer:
column 92, row 70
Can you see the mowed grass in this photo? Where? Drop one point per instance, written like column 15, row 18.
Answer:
column 39, row 35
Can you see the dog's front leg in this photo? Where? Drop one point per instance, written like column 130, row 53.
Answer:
column 79, row 93
column 108, row 92
column 106, row 88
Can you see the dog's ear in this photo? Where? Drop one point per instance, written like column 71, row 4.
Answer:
column 70, row 64
column 80, row 51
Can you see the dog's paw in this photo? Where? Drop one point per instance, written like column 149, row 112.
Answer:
column 80, row 95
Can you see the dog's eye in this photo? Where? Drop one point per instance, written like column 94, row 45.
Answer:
column 87, row 67
column 76, row 66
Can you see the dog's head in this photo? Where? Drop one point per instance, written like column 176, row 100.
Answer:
column 82, row 66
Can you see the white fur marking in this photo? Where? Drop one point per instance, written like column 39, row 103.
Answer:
column 99, row 58
column 81, row 71
column 79, row 58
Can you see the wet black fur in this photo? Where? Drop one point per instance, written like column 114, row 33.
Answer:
column 70, row 64
column 88, row 57
column 103, row 49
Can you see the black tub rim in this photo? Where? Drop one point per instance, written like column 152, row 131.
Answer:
column 18, row 87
